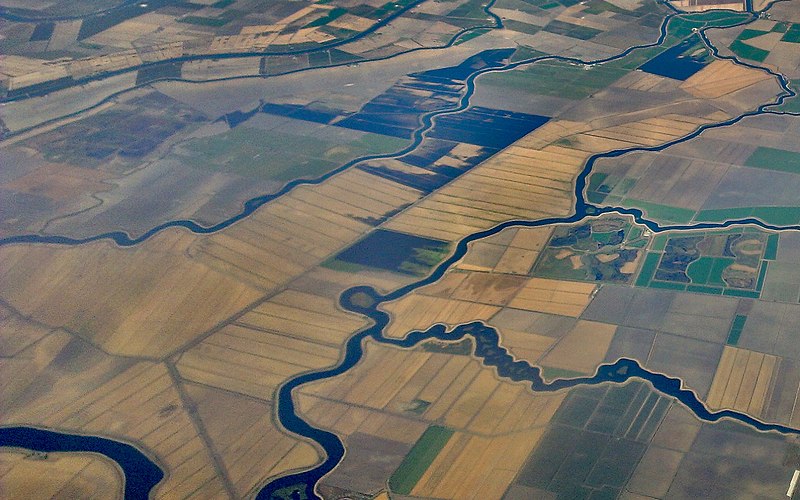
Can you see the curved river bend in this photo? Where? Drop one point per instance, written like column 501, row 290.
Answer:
column 142, row 474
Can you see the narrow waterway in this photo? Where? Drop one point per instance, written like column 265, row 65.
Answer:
column 485, row 338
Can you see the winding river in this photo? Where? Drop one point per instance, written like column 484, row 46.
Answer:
column 142, row 474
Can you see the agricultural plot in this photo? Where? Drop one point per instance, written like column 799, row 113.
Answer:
column 513, row 251
column 248, row 427
column 667, row 331
column 733, row 263
column 392, row 251
column 455, row 144
column 742, row 381
column 565, row 143
column 66, row 170
column 701, row 180
column 499, row 189
column 687, row 457
column 649, row 411
column 251, row 152
column 69, row 475
column 683, row 57
column 123, row 37
column 600, row 441
column 782, row 282
column 419, row 458
column 216, row 166
column 181, row 344
column 573, row 81
column 594, row 442
column 112, row 397
column 431, row 165
column 461, row 434
column 768, row 474
column 746, row 50
column 694, row 180
column 151, row 281
column 289, row 326
column 737, row 351
column 700, row 6
column 775, row 159
column 605, row 249
column 772, row 41
column 792, row 34
column 681, row 61
column 39, row 189
column 230, row 269
column 98, row 140
column 534, row 316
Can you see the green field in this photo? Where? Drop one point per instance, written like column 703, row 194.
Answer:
column 525, row 52
column 779, row 216
column 472, row 9
column 762, row 275
column 659, row 242
column 661, row 212
column 712, row 18
column 746, row 51
column 648, row 268
column 681, row 26
column 277, row 156
column 520, row 27
column 711, row 290
column 736, row 329
column 534, row 7
column 780, row 28
column 700, row 270
column 748, row 34
column 775, row 159
column 576, row 82
column 792, row 104
column 550, row 373
column 717, row 267
column 472, row 34
column 419, row 458
column 601, row 185
column 571, row 30
column 598, row 250
column 771, row 251
column 792, row 35
column 667, row 285
column 330, row 16
column 749, row 294
column 555, row 78
column 698, row 263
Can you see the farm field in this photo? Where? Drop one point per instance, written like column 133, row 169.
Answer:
column 364, row 250
column 59, row 476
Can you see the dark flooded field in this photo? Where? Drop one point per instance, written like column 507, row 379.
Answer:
column 679, row 62
column 488, row 127
column 393, row 251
